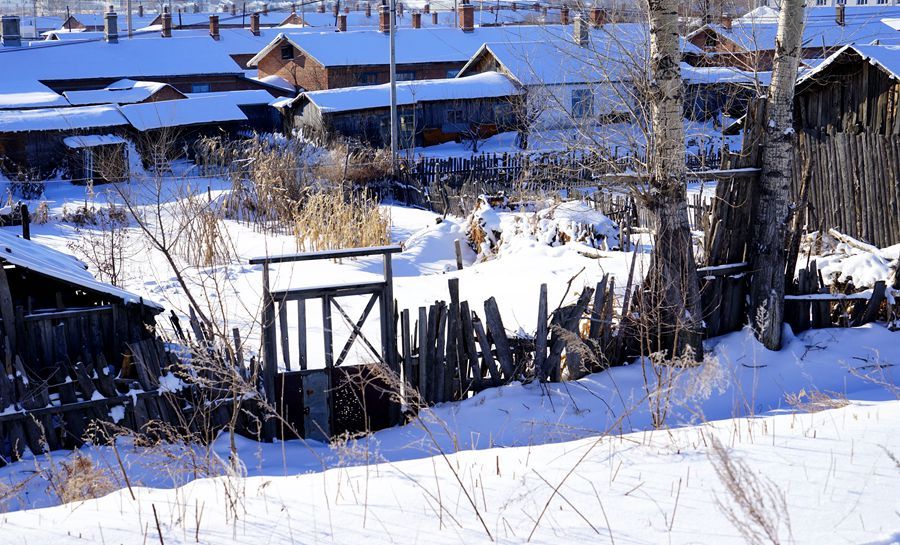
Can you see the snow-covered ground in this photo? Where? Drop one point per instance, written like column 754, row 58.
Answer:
column 816, row 423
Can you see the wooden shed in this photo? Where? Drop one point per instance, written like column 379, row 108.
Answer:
column 848, row 123
column 431, row 111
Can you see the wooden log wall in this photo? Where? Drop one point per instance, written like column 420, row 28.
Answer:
column 854, row 185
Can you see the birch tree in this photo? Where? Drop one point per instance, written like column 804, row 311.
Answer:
column 672, row 283
column 771, row 210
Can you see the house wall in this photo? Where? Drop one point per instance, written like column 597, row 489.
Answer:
column 185, row 84
column 551, row 106
column 306, row 72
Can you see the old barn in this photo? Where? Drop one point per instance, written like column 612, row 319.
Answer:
column 846, row 114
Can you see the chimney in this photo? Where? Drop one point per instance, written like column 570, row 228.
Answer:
column 564, row 15
column 598, row 17
column 426, row 8
column 416, row 20
column 166, row 23
column 839, row 14
column 214, row 26
column 293, row 9
column 265, row 9
column 254, row 24
column 726, row 22
column 466, row 16
column 342, row 22
column 335, row 9
column 544, row 11
column 234, row 11
column 434, row 17
column 536, row 6
column 515, row 7
column 399, row 9
column 140, row 10
column 320, row 8
column 11, row 35
column 582, row 32
column 384, row 19
column 368, row 9
column 347, row 10
column 111, row 26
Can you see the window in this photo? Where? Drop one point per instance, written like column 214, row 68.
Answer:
column 407, row 75
column 582, row 103
column 199, row 87
column 861, row 2
column 367, row 78
column 821, row 2
column 287, row 52
column 452, row 73
column 456, row 117
column 882, row 2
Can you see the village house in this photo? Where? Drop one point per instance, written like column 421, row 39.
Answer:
column 749, row 42
column 319, row 61
column 429, row 111
column 846, row 115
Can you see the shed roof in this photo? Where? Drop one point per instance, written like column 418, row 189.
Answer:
column 92, row 140
column 60, row 119
column 123, row 91
column 197, row 109
column 886, row 57
column 49, row 262
column 486, row 85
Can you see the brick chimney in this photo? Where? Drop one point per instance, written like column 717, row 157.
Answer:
column 140, row 10
column 536, row 6
column 265, row 9
column 320, row 8
column 347, row 10
column 434, row 17
column 839, row 11
column 342, row 22
column 254, row 24
column 234, row 10
column 581, row 31
column 111, row 26
column 426, row 8
column 293, row 8
column 384, row 19
column 10, row 33
column 214, row 26
column 598, row 17
column 416, row 20
column 564, row 15
column 466, row 16
column 726, row 22
column 368, row 9
column 515, row 7
column 166, row 31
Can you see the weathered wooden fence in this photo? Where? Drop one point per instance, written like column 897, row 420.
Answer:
column 854, row 185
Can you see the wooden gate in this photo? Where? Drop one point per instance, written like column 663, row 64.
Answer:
column 319, row 401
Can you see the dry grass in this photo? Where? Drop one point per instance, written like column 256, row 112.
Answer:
column 755, row 505
column 355, row 164
column 80, row 479
column 815, row 400
column 331, row 219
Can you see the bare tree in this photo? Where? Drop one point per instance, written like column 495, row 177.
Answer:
column 672, row 283
column 771, row 211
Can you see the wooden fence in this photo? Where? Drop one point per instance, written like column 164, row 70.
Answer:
column 854, row 185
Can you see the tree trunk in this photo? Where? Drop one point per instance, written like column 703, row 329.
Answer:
column 672, row 291
column 771, row 212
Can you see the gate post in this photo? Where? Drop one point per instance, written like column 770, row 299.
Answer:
column 270, row 356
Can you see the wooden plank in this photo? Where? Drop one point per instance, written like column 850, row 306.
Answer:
column 7, row 311
column 422, row 381
column 498, row 335
column 439, row 376
column 407, row 354
column 467, row 333
column 283, row 332
column 453, row 356
column 327, row 254
column 302, row 352
column 540, row 336
column 487, row 357
column 870, row 314
column 596, row 328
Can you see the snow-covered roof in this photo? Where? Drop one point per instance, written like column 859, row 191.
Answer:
column 277, row 82
column 41, row 259
column 15, row 94
column 60, row 119
column 178, row 113
column 98, row 20
column 611, row 53
column 123, row 91
column 413, row 46
column 92, row 140
column 486, row 85
column 863, row 25
column 705, row 75
column 886, row 57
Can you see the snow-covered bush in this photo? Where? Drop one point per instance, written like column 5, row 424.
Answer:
column 490, row 228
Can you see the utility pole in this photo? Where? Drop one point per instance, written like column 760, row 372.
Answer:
column 34, row 18
column 128, row 20
column 392, row 19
